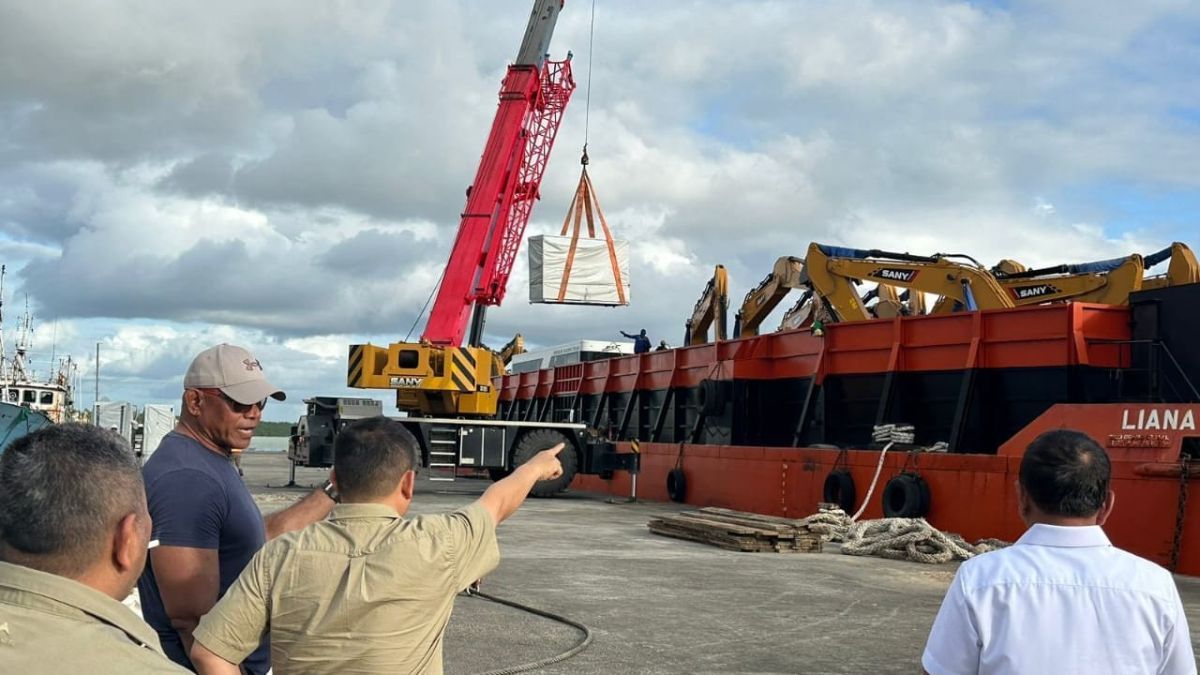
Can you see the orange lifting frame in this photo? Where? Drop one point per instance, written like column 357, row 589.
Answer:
column 581, row 207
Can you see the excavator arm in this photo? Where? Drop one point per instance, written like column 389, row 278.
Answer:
column 832, row 273
column 1183, row 268
column 892, row 303
column 515, row 346
column 761, row 301
column 710, row 310
column 1107, row 282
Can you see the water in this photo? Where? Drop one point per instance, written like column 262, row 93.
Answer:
column 268, row 444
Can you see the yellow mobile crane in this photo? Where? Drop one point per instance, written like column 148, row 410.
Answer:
column 833, row 271
column 445, row 380
column 784, row 276
column 710, row 310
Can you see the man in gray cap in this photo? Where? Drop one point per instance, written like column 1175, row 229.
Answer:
column 207, row 524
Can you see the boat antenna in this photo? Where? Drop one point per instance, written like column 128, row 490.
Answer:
column 53, row 346
column 3, row 360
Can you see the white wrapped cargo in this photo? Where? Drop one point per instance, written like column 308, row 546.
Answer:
column 115, row 415
column 157, row 422
column 597, row 275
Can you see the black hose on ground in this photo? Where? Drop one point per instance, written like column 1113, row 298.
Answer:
column 540, row 663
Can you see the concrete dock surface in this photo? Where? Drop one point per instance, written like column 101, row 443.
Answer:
column 661, row 605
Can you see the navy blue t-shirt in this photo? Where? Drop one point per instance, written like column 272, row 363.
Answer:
column 197, row 500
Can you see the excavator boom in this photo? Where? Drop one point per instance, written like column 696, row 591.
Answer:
column 832, row 273
column 1183, row 268
column 760, row 302
column 1106, row 282
column 710, row 310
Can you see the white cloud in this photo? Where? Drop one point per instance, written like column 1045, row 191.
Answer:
column 171, row 175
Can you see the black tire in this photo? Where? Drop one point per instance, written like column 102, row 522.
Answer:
column 534, row 442
column 906, row 496
column 676, row 485
column 712, row 398
column 839, row 489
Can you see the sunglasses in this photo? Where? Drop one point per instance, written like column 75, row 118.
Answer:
column 239, row 408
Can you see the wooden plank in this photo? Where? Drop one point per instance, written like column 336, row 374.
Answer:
column 738, row 531
column 744, row 515
column 734, row 528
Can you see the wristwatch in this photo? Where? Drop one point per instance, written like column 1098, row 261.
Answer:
column 331, row 492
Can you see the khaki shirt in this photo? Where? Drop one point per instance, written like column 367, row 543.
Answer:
column 51, row 624
column 363, row 591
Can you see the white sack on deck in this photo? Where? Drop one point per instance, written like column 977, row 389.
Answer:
column 591, row 281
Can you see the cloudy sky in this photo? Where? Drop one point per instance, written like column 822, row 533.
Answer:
column 289, row 176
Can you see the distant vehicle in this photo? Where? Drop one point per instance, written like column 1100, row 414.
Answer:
column 580, row 351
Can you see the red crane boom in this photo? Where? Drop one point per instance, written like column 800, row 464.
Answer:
column 533, row 96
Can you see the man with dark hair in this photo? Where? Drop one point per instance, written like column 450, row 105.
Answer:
column 1063, row 599
column 641, row 343
column 73, row 538
column 204, row 517
column 366, row 590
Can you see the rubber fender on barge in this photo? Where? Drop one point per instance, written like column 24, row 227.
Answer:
column 839, row 489
column 906, row 496
column 676, row 485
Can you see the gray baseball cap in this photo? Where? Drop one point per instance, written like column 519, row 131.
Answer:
column 234, row 371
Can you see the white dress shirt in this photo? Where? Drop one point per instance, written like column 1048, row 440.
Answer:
column 1061, row 600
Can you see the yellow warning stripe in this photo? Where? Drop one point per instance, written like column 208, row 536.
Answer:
column 354, row 371
column 461, row 373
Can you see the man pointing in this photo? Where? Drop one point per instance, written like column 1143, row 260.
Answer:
column 366, row 590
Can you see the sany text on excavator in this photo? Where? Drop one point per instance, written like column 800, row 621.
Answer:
column 832, row 273
column 1107, row 282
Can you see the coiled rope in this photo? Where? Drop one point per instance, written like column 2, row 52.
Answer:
column 540, row 663
column 896, row 538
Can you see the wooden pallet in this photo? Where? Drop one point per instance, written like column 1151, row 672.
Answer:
column 738, row 531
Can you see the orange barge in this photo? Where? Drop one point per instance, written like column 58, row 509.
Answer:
column 777, row 423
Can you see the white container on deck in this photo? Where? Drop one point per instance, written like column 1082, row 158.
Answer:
column 593, row 271
column 157, row 422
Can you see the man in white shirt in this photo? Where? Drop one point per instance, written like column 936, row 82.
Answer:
column 1063, row 599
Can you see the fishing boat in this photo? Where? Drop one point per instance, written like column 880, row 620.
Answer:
column 27, row 401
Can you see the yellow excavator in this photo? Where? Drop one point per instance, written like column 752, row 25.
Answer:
column 1106, row 282
column 514, row 347
column 833, row 272
column 760, row 302
column 890, row 303
column 710, row 310
column 1182, row 268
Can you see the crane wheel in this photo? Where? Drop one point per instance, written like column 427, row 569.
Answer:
column 906, row 496
column 542, row 439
